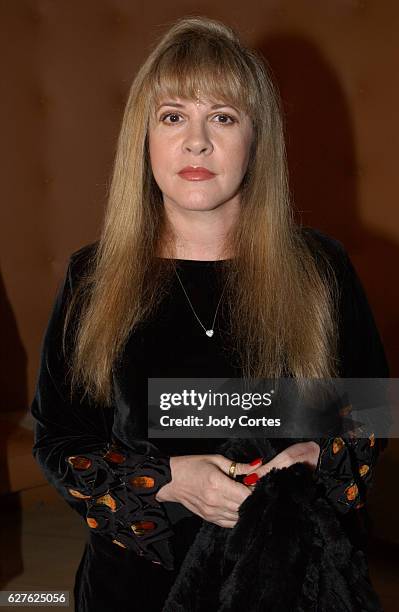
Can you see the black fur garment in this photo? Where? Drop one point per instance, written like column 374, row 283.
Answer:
column 287, row 553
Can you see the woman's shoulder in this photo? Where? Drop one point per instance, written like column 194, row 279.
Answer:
column 319, row 239
column 325, row 248
column 80, row 260
column 84, row 254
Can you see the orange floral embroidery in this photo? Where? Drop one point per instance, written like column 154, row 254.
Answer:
column 92, row 522
column 372, row 439
column 75, row 493
column 119, row 543
column 351, row 492
column 107, row 500
column 363, row 469
column 141, row 527
column 142, row 482
column 80, row 463
column 114, row 457
column 337, row 445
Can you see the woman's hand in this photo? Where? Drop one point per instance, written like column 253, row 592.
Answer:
column 305, row 452
column 201, row 483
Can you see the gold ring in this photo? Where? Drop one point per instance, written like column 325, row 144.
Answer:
column 232, row 470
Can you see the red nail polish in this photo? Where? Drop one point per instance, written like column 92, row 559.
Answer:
column 255, row 461
column 250, row 479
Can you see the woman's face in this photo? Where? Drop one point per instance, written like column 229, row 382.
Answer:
column 186, row 134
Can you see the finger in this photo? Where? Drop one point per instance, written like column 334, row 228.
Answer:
column 284, row 460
column 234, row 494
column 247, row 468
column 240, row 469
column 227, row 524
column 281, row 460
column 230, row 516
column 232, row 507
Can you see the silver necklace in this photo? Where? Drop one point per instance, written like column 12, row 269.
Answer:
column 209, row 332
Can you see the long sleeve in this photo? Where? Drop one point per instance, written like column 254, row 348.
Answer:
column 111, row 485
column 347, row 463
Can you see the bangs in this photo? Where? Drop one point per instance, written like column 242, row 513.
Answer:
column 215, row 69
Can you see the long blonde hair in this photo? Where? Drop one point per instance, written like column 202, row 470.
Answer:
column 281, row 309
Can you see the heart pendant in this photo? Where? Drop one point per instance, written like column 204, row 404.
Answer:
column 209, row 332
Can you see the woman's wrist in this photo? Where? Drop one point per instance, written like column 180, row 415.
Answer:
column 180, row 466
column 166, row 493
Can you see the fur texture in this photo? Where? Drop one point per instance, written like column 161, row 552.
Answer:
column 287, row 553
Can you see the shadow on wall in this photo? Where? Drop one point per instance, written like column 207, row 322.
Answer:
column 324, row 175
column 13, row 377
column 13, row 372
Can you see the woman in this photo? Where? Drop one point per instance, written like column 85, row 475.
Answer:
column 200, row 271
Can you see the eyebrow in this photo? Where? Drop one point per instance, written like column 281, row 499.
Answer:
column 213, row 107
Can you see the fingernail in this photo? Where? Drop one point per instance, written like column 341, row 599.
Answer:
column 250, row 479
column 255, row 461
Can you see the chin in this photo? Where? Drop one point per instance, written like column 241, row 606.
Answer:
column 188, row 203
column 199, row 205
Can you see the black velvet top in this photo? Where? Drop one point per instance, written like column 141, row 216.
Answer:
column 101, row 462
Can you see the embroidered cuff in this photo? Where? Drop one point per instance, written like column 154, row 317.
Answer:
column 344, row 470
column 119, row 488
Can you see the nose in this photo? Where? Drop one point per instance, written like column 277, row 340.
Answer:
column 197, row 139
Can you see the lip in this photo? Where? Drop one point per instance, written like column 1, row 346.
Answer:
column 191, row 173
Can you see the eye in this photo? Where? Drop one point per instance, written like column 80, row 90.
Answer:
column 227, row 119
column 169, row 115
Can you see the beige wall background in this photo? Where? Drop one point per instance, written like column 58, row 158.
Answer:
column 67, row 66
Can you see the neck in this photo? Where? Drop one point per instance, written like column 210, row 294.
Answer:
column 198, row 234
